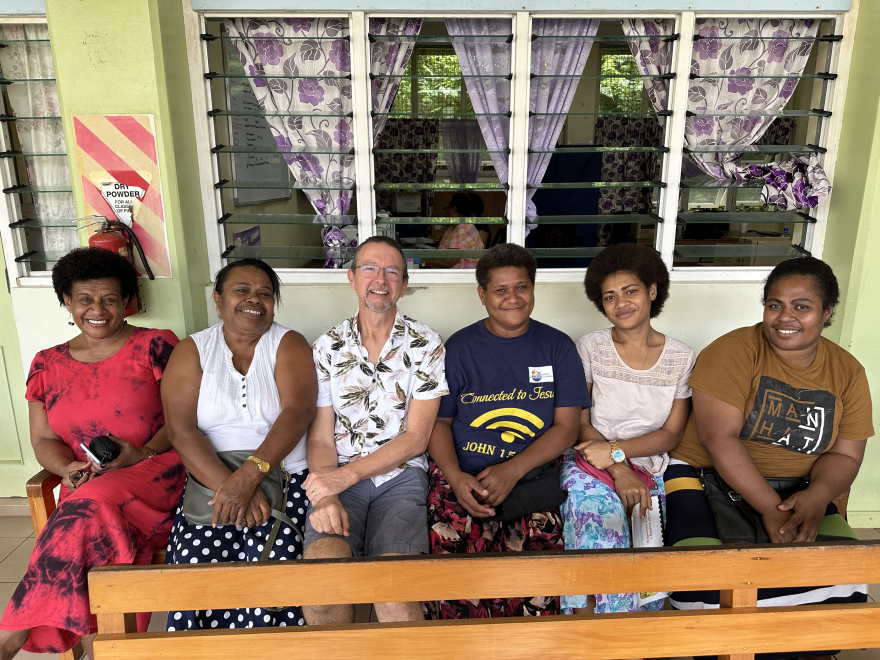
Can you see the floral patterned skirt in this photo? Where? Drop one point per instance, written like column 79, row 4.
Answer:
column 452, row 530
column 595, row 518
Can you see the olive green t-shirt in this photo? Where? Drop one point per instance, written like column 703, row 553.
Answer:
column 791, row 415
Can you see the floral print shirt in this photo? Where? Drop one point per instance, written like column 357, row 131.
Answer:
column 371, row 400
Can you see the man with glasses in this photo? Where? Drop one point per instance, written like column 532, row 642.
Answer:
column 380, row 379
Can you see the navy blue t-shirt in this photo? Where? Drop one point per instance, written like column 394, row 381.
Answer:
column 503, row 391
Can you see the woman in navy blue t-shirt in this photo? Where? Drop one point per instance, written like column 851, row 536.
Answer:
column 516, row 391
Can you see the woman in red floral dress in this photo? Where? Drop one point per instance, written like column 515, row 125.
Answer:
column 105, row 381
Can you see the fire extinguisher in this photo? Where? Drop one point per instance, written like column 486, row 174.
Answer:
column 118, row 237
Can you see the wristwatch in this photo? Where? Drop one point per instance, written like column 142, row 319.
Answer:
column 261, row 464
column 617, row 454
column 152, row 452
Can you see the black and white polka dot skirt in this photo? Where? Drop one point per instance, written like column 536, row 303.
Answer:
column 201, row 544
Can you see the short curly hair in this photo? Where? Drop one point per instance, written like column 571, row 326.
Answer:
column 505, row 255
column 93, row 263
column 640, row 260
column 822, row 274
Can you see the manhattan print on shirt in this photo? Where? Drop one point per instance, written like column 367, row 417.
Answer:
column 795, row 419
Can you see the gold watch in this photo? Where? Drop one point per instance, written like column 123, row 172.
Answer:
column 617, row 454
column 261, row 464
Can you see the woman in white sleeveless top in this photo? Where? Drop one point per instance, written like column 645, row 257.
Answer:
column 246, row 383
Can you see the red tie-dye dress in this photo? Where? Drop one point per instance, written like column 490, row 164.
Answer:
column 121, row 517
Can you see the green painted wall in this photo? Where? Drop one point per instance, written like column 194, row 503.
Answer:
column 853, row 243
column 128, row 57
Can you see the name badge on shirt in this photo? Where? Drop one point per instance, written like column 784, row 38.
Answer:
column 541, row 374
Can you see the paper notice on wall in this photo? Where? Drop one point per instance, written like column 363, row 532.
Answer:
column 118, row 163
column 125, row 200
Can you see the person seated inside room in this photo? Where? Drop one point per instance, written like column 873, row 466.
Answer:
column 463, row 236
column 103, row 382
column 637, row 379
column 781, row 415
column 516, row 391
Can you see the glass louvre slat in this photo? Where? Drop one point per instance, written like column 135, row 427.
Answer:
column 608, row 37
column 438, row 115
column 286, row 219
column 441, row 151
column 282, row 185
column 280, row 151
column 594, row 149
column 749, row 217
column 440, row 39
column 721, row 251
column 722, row 183
column 827, row 37
column 29, row 154
column 227, row 113
column 34, row 223
column 752, row 113
column 619, row 218
column 823, row 76
column 24, row 41
column 40, row 257
column 241, row 76
column 565, row 253
column 28, row 189
column 664, row 76
column 227, row 37
column 757, row 149
column 440, row 220
column 646, row 113
column 441, row 186
column 307, row 252
column 430, row 253
column 4, row 118
column 10, row 81
column 433, row 76
column 595, row 184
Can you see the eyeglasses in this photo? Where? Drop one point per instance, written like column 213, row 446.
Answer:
column 370, row 272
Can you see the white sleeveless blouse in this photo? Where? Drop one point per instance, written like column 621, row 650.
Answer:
column 236, row 411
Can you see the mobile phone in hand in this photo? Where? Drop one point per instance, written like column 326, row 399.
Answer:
column 92, row 457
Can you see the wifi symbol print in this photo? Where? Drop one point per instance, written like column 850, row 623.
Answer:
column 510, row 430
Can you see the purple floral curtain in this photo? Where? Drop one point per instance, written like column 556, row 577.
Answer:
column 401, row 167
column 613, row 131
column 462, row 134
column 275, row 47
column 389, row 57
column 563, row 56
column 770, row 52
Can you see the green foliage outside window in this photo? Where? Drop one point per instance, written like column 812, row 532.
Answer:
column 619, row 94
column 432, row 95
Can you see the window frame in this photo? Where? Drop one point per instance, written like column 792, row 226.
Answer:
column 18, row 274
column 834, row 101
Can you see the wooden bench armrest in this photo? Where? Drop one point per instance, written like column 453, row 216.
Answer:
column 41, row 500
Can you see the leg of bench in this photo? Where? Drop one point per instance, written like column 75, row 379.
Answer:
column 73, row 654
column 41, row 499
column 733, row 598
column 117, row 622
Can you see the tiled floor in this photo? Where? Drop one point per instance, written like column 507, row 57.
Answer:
column 17, row 541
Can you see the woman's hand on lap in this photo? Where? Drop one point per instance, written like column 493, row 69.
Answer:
column 464, row 484
column 499, row 480
column 806, row 515
column 774, row 522
column 597, row 453
column 256, row 512
column 631, row 490
column 325, row 482
column 71, row 469
column 233, row 495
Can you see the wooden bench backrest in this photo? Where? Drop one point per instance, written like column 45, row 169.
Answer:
column 116, row 592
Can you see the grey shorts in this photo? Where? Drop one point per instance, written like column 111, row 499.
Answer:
column 383, row 519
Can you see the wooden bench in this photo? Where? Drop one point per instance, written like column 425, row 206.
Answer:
column 736, row 631
column 41, row 500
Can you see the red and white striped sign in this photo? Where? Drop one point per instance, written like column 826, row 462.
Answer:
column 122, row 149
